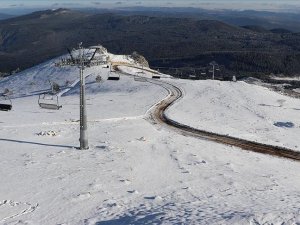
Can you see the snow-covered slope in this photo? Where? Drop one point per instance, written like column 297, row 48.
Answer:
column 241, row 110
column 36, row 80
column 134, row 172
column 143, row 72
column 102, row 98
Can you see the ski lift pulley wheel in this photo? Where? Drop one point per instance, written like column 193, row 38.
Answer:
column 49, row 102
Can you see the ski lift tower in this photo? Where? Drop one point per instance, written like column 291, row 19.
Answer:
column 215, row 67
column 81, row 60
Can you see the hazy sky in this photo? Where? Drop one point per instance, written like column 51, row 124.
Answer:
column 210, row 4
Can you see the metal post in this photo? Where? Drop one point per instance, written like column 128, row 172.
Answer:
column 83, row 115
column 213, row 64
column 81, row 60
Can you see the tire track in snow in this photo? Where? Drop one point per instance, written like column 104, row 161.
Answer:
column 157, row 115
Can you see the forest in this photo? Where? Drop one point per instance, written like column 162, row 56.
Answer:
column 180, row 46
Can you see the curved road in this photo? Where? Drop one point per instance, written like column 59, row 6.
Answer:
column 157, row 115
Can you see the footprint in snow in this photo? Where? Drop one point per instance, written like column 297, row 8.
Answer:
column 29, row 162
column 127, row 182
column 11, row 209
column 155, row 198
column 25, row 155
column 186, row 188
column 96, row 187
column 51, row 156
column 141, row 139
column 82, row 196
column 198, row 162
column 133, row 192
column 109, row 203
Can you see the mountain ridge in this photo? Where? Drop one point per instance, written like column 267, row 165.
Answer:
column 159, row 39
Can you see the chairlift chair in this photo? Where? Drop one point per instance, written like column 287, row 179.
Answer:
column 155, row 77
column 5, row 103
column 113, row 76
column 193, row 77
column 49, row 101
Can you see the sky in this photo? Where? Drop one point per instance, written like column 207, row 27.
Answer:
column 271, row 5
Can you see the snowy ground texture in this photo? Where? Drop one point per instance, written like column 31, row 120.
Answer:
column 241, row 110
column 137, row 173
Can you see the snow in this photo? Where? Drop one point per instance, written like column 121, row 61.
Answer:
column 138, row 173
column 241, row 110
column 36, row 80
column 120, row 58
column 297, row 90
column 286, row 78
column 142, row 72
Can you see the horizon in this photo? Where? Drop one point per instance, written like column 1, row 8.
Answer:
column 17, row 6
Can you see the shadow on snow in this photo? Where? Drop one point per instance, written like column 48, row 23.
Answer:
column 36, row 143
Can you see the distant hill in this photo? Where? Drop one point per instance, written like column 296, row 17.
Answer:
column 265, row 19
column 255, row 28
column 5, row 16
column 164, row 41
